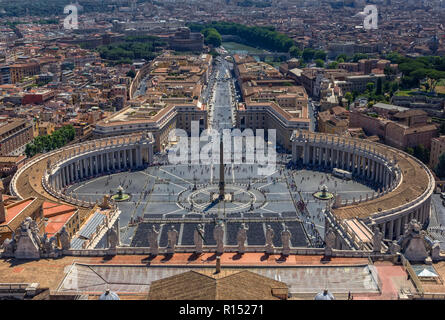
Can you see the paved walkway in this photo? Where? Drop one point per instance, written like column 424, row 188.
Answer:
column 393, row 279
column 49, row 272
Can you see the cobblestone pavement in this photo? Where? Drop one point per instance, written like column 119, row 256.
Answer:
column 155, row 191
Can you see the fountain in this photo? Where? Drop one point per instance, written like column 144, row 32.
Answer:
column 323, row 193
column 120, row 195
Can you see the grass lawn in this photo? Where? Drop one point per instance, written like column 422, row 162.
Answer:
column 404, row 93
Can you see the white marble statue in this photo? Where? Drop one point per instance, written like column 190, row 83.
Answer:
column 241, row 238
column 153, row 241
column 285, row 240
column 218, row 235
column 113, row 238
column 198, row 237
column 377, row 241
column 269, row 240
column 64, row 238
column 172, row 236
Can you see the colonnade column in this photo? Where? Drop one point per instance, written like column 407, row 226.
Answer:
column 107, row 161
column 313, row 155
column 139, row 156
column 131, row 158
column 391, row 229
column 398, row 225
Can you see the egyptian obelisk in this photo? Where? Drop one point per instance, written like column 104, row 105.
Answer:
column 221, row 169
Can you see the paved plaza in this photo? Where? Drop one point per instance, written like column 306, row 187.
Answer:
column 166, row 191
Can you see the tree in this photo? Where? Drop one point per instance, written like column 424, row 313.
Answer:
column 308, row 54
column 440, row 168
column 432, row 79
column 342, row 58
column 359, row 56
column 349, row 97
column 394, row 87
column 320, row 54
column 421, row 153
column 295, row 52
column 379, row 89
column 333, row 65
column 410, row 150
column 319, row 63
column 131, row 73
column 47, row 143
column 214, row 39
column 370, row 87
column 265, row 37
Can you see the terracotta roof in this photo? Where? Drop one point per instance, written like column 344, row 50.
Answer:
column 409, row 113
column 11, row 125
column 192, row 285
column 55, row 223
column 17, row 212
column 53, row 209
column 14, row 209
column 425, row 128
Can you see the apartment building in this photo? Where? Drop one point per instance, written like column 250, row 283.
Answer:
column 20, row 71
column 437, row 149
column 404, row 129
column 14, row 135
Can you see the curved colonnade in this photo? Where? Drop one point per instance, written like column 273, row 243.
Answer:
column 47, row 174
column 406, row 183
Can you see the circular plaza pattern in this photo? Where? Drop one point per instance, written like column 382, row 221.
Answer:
column 80, row 174
column 238, row 198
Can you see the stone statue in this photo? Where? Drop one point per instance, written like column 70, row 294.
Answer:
column 394, row 248
column 34, row 228
column 48, row 244
column 113, row 238
column 269, row 240
column 28, row 241
column 413, row 243
column 153, row 241
column 435, row 252
column 377, row 241
column 64, row 239
column 198, row 238
column 285, row 240
column 241, row 238
column 337, row 203
column 172, row 236
column 9, row 246
column 218, row 235
column 330, row 239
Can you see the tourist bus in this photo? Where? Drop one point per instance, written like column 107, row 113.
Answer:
column 342, row 173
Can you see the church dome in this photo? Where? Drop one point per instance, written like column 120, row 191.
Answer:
column 325, row 295
column 109, row 295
